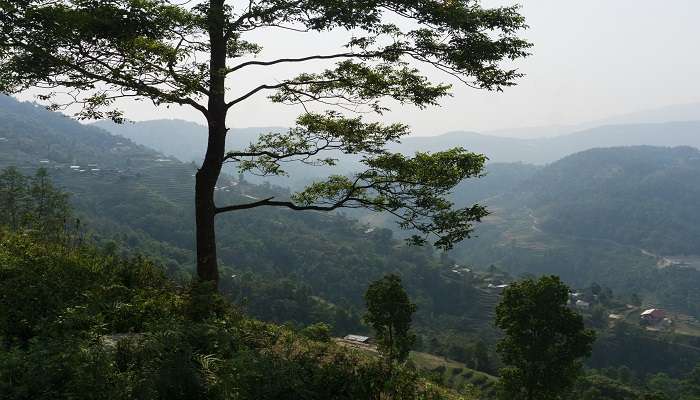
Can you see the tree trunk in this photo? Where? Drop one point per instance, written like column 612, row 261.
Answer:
column 207, row 265
column 208, row 174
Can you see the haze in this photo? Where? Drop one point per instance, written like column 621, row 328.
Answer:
column 592, row 60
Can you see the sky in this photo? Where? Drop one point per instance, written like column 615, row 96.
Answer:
column 591, row 60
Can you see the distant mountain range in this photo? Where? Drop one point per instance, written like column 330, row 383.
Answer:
column 186, row 140
column 547, row 150
column 676, row 112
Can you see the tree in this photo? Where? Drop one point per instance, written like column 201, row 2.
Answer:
column 182, row 53
column 389, row 312
column 13, row 197
column 33, row 203
column 544, row 340
column 50, row 209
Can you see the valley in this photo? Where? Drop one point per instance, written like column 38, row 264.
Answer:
column 311, row 267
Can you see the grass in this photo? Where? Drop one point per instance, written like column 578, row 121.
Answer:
column 455, row 375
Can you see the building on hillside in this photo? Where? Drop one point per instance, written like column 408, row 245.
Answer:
column 358, row 339
column 652, row 316
column 583, row 305
column 497, row 288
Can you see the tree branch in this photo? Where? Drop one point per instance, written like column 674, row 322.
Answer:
column 252, row 92
column 308, row 58
column 287, row 204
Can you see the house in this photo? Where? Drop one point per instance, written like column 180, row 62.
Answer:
column 358, row 339
column 583, row 305
column 652, row 315
column 497, row 288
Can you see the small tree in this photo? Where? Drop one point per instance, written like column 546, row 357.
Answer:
column 187, row 52
column 389, row 312
column 544, row 340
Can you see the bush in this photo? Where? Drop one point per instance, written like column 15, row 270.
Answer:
column 75, row 324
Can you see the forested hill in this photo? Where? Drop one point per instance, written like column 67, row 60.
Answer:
column 625, row 217
column 187, row 142
column 301, row 267
column 182, row 139
column 642, row 196
column 28, row 134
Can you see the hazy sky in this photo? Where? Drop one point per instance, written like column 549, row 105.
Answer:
column 592, row 59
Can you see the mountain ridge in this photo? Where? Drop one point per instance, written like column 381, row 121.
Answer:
column 539, row 151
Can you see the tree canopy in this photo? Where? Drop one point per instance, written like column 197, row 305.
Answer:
column 32, row 203
column 389, row 312
column 544, row 340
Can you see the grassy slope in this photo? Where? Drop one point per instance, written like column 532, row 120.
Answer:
column 454, row 374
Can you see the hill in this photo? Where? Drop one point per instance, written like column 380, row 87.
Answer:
column 622, row 217
column 674, row 112
column 547, row 150
column 282, row 266
column 185, row 141
column 76, row 323
column 640, row 196
column 302, row 268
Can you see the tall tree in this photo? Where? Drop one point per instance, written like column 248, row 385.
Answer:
column 33, row 203
column 89, row 53
column 49, row 209
column 14, row 198
column 389, row 312
column 544, row 340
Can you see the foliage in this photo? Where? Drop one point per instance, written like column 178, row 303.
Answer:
column 173, row 53
column 572, row 219
column 616, row 384
column 544, row 340
column 282, row 267
column 667, row 353
column 92, row 326
column 659, row 181
column 32, row 203
column 389, row 312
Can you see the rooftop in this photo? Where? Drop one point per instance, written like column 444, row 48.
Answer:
column 357, row 338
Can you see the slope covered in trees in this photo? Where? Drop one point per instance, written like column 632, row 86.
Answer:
column 622, row 217
column 282, row 266
column 640, row 196
column 78, row 323
column 124, row 304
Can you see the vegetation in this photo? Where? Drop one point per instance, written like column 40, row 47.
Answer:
column 103, row 51
column 76, row 323
column 389, row 313
column 615, row 177
column 544, row 340
column 573, row 219
column 32, row 203
column 301, row 269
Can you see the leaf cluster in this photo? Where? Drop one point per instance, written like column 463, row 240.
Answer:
column 544, row 340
